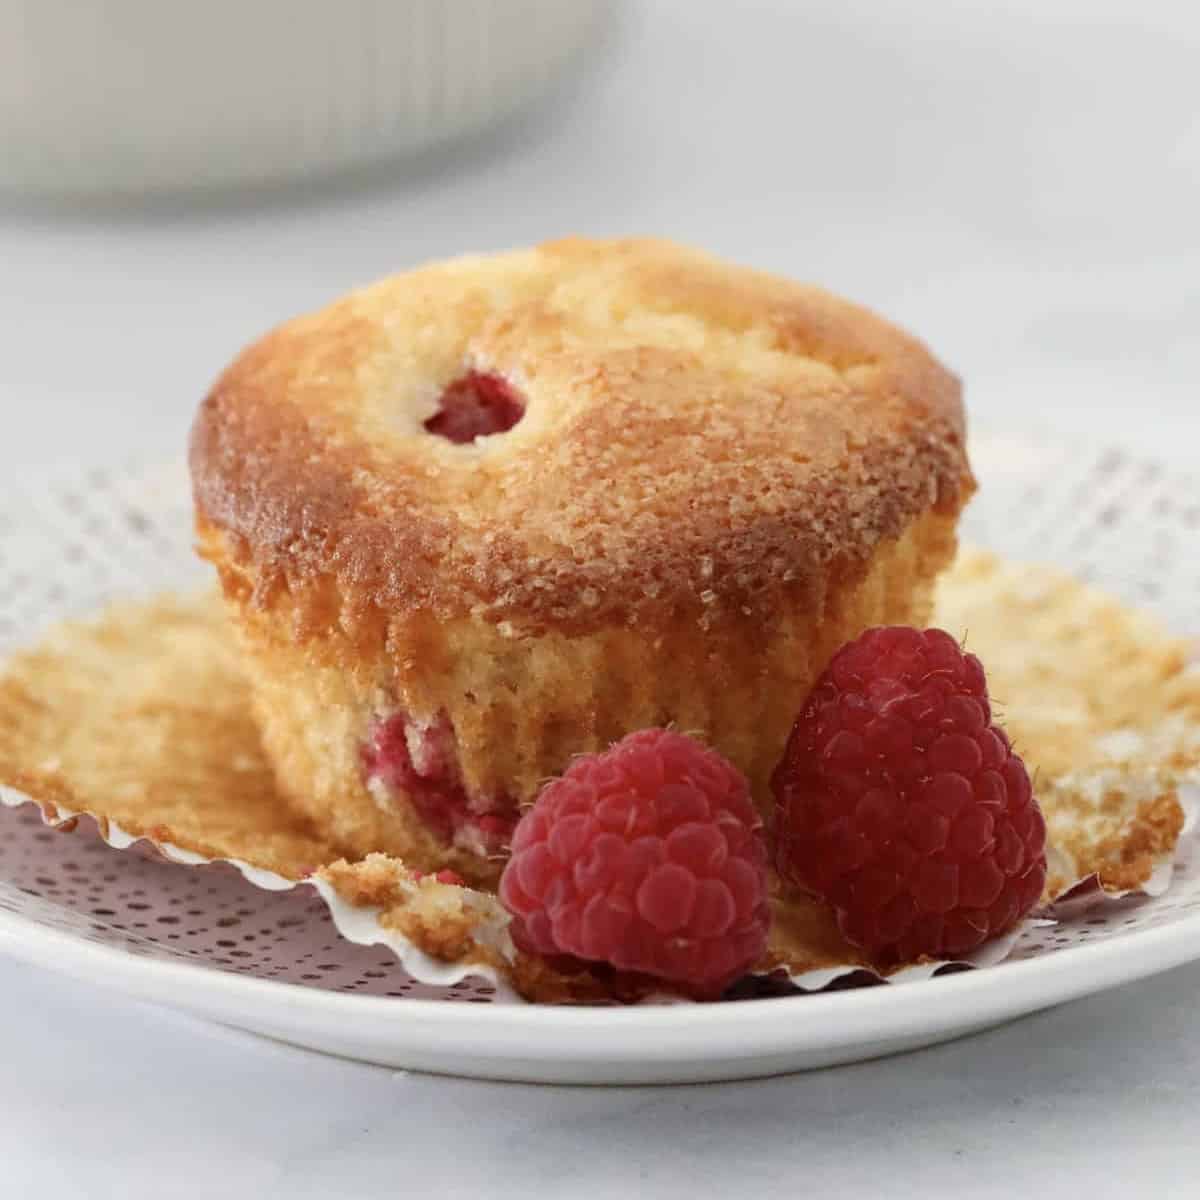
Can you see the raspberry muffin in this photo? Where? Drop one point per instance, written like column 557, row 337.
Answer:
column 498, row 511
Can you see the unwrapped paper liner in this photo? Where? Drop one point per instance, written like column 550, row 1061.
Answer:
column 361, row 924
column 141, row 718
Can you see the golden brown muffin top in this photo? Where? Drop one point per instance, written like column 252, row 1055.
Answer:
column 697, row 438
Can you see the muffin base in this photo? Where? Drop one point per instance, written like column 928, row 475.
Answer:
column 517, row 707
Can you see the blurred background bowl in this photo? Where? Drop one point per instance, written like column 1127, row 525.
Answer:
column 123, row 97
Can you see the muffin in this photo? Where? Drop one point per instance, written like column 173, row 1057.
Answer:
column 497, row 511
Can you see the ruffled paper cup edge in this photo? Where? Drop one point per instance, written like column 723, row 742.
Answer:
column 363, row 925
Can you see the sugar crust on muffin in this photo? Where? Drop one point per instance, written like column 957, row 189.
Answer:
column 762, row 392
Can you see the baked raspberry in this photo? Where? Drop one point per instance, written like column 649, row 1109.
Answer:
column 649, row 857
column 418, row 760
column 901, row 804
column 474, row 406
column 445, row 875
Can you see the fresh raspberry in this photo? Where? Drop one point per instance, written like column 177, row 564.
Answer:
column 474, row 406
column 901, row 804
column 649, row 857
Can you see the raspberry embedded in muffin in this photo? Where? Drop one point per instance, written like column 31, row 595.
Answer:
column 477, row 405
column 538, row 500
column 415, row 761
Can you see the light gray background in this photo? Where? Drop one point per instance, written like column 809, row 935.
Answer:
column 1017, row 182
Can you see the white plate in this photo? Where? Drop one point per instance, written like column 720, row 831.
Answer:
column 676, row 1044
column 208, row 942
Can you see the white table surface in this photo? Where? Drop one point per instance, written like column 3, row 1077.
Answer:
column 1021, row 187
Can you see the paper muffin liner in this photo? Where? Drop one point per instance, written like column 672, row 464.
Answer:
column 361, row 923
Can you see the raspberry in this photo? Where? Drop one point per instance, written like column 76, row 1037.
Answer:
column 901, row 804
column 445, row 875
column 474, row 406
column 419, row 760
column 649, row 857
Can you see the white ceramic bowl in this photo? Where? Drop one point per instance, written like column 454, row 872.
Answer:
column 120, row 97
